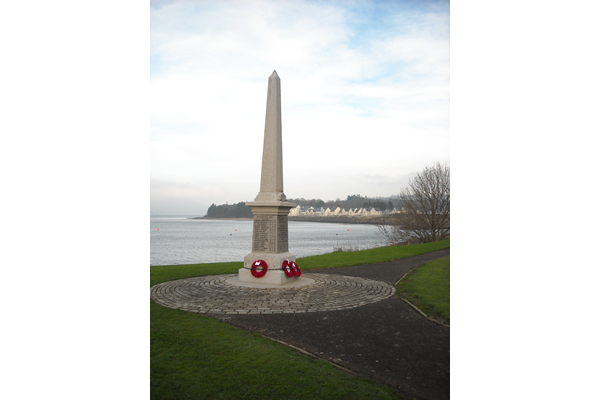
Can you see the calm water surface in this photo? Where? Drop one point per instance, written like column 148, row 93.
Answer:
column 180, row 240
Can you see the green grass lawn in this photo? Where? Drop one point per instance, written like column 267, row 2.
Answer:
column 196, row 357
column 428, row 287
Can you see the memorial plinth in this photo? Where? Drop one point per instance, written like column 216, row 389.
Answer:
column 269, row 242
column 270, row 207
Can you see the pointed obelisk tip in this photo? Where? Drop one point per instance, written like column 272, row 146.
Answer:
column 274, row 74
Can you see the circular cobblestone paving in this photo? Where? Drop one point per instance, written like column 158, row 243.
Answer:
column 213, row 295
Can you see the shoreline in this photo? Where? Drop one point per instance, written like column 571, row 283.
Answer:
column 228, row 219
column 335, row 220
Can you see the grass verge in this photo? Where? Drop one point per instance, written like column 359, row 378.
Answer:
column 428, row 288
column 370, row 256
column 164, row 273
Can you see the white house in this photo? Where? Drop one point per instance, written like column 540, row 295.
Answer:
column 294, row 212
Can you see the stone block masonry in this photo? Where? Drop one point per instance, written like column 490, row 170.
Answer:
column 270, row 207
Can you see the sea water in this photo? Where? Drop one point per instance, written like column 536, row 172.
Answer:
column 182, row 240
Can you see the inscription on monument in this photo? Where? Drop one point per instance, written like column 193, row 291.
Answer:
column 282, row 234
column 263, row 236
column 270, row 233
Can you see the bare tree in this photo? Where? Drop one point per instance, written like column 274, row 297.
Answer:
column 425, row 209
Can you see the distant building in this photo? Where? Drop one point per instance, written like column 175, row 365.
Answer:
column 337, row 212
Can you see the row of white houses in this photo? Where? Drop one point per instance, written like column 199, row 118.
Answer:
column 338, row 212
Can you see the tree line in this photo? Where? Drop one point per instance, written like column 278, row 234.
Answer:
column 352, row 201
column 239, row 210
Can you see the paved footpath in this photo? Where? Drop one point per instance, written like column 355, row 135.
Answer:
column 349, row 316
column 321, row 292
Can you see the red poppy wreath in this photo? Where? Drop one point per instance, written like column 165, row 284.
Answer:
column 296, row 269
column 287, row 268
column 254, row 269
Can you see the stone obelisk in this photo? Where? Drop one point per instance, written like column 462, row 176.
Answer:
column 270, row 207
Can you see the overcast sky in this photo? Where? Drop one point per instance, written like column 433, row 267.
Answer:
column 365, row 97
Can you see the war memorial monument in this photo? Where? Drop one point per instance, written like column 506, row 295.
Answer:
column 270, row 254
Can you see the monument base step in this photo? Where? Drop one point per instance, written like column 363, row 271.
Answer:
column 274, row 275
column 271, row 278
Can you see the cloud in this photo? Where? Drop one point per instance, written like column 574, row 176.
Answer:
column 361, row 84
